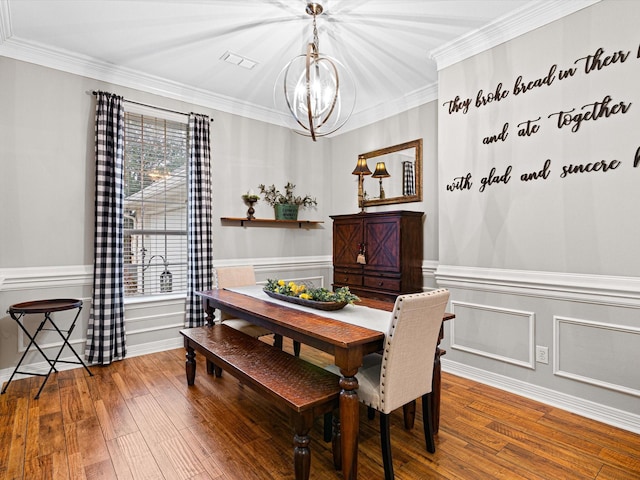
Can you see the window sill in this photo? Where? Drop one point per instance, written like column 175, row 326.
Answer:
column 155, row 298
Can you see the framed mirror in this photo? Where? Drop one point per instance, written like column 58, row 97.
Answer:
column 396, row 174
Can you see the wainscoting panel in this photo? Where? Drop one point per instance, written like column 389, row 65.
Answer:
column 152, row 324
column 598, row 353
column 498, row 333
column 589, row 323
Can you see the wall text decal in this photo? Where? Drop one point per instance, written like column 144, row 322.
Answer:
column 569, row 119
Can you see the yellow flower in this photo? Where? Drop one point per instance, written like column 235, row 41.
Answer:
column 306, row 296
column 292, row 286
column 281, row 283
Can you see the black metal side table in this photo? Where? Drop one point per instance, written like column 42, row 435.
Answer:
column 19, row 310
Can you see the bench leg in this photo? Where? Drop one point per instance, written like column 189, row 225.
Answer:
column 190, row 366
column 301, row 440
column 213, row 370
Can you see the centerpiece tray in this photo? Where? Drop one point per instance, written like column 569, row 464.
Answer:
column 326, row 306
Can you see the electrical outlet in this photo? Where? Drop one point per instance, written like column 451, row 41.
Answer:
column 542, row 354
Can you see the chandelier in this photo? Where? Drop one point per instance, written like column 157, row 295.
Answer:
column 317, row 90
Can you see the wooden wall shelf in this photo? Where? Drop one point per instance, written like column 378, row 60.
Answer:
column 282, row 223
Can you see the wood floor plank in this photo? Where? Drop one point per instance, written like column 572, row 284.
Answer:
column 101, row 471
column 17, row 420
column 85, row 438
column 138, row 457
column 138, row 419
column 111, row 409
column 119, row 460
column 183, row 459
column 153, row 422
column 76, row 467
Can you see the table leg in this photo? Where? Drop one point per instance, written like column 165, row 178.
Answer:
column 190, row 366
column 349, row 426
column 210, row 312
column 32, row 341
column 65, row 339
column 436, row 384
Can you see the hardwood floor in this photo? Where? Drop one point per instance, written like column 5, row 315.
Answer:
column 137, row 419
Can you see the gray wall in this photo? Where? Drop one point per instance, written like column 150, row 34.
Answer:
column 552, row 261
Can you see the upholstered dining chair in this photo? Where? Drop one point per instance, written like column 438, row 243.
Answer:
column 403, row 371
column 238, row 276
column 241, row 276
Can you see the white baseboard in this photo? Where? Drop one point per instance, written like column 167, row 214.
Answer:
column 579, row 406
column 134, row 351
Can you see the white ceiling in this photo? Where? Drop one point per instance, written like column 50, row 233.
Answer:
column 174, row 47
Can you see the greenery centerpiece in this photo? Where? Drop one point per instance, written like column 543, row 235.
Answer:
column 286, row 204
column 319, row 298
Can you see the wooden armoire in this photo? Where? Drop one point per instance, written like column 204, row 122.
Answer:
column 378, row 255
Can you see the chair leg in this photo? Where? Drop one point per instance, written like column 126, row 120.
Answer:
column 409, row 413
column 385, row 442
column 328, row 422
column 371, row 413
column 336, row 442
column 427, row 420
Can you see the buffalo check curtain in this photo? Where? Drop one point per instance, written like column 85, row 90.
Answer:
column 408, row 179
column 200, row 250
column 105, row 333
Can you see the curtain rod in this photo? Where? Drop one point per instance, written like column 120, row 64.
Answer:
column 154, row 106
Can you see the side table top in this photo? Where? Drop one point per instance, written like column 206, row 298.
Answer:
column 44, row 306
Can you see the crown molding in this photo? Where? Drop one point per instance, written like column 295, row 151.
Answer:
column 58, row 59
column 5, row 21
column 381, row 111
column 533, row 15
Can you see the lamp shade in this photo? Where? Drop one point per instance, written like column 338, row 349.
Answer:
column 381, row 171
column 361, row 167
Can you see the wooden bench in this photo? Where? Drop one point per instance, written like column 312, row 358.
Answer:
column 299, row 387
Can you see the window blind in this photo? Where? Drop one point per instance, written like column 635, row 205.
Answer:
column 155, row 205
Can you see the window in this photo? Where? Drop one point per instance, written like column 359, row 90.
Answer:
column 155, row 205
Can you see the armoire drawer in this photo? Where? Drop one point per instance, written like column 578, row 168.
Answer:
column 383, row 283
column 347, row 278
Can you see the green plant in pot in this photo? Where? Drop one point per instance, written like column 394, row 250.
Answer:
column 286, row 204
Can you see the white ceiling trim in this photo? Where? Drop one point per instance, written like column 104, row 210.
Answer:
column 533, row 15
column 5, row 20
column 65, row 61
column 382, row 111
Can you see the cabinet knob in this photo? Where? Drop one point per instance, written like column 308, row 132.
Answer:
column 380, row 284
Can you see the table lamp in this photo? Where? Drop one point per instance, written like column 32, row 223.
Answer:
column 381, row 172
column 361, row 170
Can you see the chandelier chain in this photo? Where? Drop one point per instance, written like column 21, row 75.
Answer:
column 315, row 34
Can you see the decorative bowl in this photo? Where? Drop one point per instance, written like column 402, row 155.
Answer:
column 326, row 306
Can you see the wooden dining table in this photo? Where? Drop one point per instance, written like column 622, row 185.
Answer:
column 347, row 343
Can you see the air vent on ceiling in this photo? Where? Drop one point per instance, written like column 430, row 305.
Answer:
column 239, row 60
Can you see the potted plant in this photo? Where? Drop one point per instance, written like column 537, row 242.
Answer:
column 250, row 198
column 285, row 204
